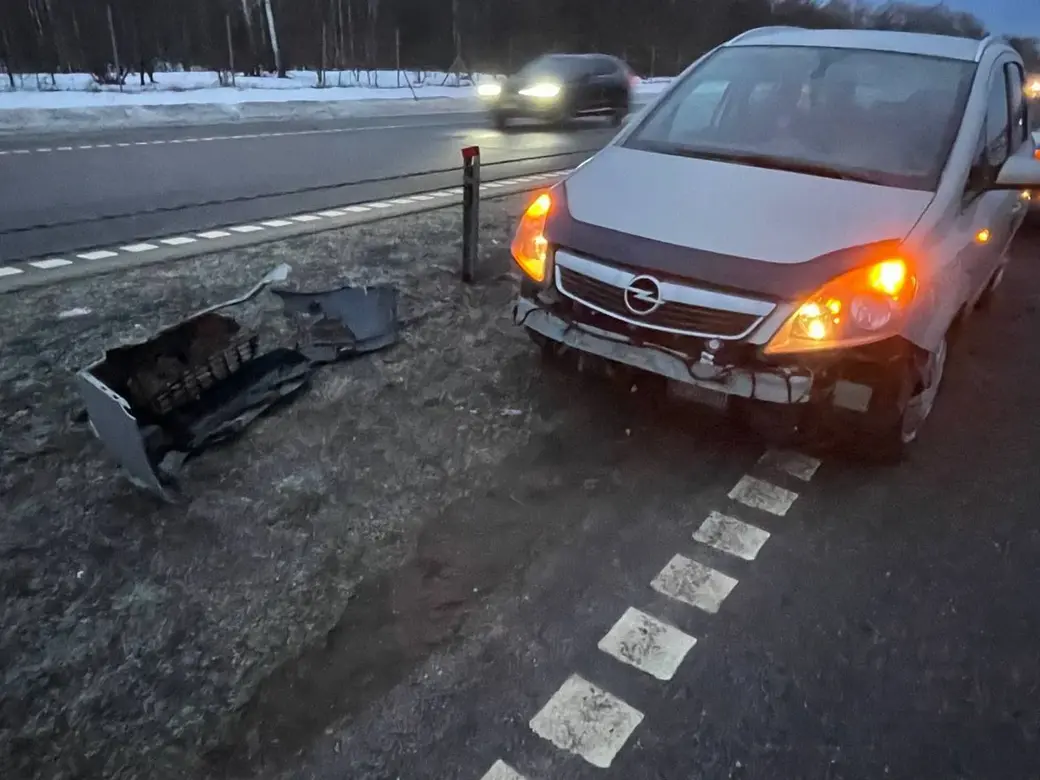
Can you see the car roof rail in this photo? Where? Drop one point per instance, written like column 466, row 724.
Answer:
column 988, row 41
column 756, row 31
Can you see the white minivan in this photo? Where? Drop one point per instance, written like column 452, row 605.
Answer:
column 793, row 227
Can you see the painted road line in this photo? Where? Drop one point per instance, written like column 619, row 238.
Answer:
column 694, row 584
column 731, row 536
column 502, row 771
column 643, row 641
column 587, row 721
column 46, row 265
column 7, row 270
column 795, row 464
column 759, row 494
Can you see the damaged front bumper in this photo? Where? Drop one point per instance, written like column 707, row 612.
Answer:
column 781, row 385
column 831, row 396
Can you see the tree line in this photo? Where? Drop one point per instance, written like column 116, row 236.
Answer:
column 111, row 38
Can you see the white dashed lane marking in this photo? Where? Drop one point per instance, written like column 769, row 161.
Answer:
column 100, row 254
column 795, row 464
column 694, row 584
column 150, row 245
column 502, row 771
column 46, row 265
column 210, row 139
column 731, row 536
column 587, row 721
column 643, row 641
column 759, row 494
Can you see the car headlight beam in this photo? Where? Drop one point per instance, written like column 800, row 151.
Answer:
column 544, row 90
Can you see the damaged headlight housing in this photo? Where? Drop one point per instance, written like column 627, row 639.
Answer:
column 858, row 307
column 530, row 248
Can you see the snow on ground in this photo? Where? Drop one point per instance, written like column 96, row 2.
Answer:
column 75, row 101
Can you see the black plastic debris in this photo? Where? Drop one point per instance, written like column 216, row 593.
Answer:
column 340, row 323
column 200, row 383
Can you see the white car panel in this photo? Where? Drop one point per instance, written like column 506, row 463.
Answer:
column 767, row 215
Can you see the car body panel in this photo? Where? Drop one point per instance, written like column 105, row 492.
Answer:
column 729, row 209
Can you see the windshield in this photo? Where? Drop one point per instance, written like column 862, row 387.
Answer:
column 877, row 116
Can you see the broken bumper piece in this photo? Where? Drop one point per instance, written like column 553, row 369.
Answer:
column 156, row 403
column 782, row 386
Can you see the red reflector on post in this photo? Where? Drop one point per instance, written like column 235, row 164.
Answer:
column 469, row 152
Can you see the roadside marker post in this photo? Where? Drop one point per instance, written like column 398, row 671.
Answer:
column 470, row 211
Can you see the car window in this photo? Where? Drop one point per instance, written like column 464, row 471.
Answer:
column 603, row 66
column 998, row 122
column 697, row 112
column 892, row 117
column 1016, row 90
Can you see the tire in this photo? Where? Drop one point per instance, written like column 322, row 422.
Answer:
column 617, row 116
column 500, row 120
column 889, row 443
column 986, row 299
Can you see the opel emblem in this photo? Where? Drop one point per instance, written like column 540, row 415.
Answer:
column 643, row 295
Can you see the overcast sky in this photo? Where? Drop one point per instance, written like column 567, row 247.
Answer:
column 1007, row 17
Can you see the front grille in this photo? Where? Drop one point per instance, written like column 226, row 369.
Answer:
column 680, row 317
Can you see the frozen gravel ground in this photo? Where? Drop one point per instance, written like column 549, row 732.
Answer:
column 134, row 637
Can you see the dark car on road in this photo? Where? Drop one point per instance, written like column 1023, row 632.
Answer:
column 558, row 87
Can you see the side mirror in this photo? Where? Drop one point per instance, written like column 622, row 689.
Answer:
column 1020, row 172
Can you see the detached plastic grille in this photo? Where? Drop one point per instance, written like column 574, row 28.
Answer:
column 694, row 320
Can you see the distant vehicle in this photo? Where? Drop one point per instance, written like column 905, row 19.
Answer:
column 557, row 87
column 792, row 229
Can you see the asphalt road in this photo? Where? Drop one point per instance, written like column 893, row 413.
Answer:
column 888, row 628
column 78, row 192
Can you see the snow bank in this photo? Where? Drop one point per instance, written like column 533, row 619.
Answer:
column 76, row 102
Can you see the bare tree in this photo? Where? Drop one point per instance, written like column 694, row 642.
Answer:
column 273, row 32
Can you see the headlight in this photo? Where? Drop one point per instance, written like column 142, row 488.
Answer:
column 530, row 249
column 489, row 90
column 541, row 91
column 1033, row 89
column 861, row 306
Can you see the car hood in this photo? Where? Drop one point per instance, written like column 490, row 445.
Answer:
column 736, row 210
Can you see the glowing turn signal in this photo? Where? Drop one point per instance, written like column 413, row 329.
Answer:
column 888, row 277
column 983, row 236
column 530, row 249
column 858, row 307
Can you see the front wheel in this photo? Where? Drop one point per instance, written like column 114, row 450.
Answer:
column 500, row 120
column 617, row 116
column 913, row 406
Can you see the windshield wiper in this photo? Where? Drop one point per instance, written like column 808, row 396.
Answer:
column 778, row 164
